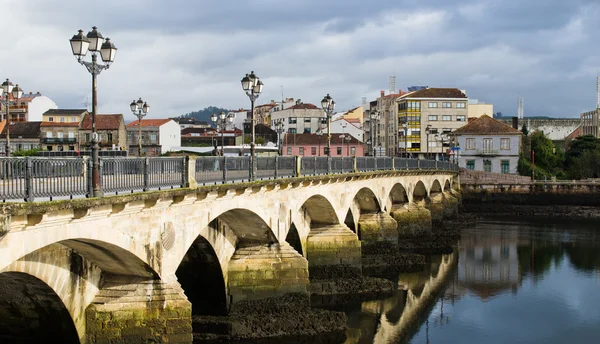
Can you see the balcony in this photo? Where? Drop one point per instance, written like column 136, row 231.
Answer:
column 59, row 140
column 487, row 152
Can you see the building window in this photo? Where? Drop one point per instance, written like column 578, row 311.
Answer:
column 446, row 105
column 432, row 117
column 71, row 135
column 73, row 119
column 307, row 130
column 71, row 148
column 446, row 118
column 292, row 130
column 301, row 150
column 323, row 120
column 414, row 106
column 87, row 137
column 306, row 119
column 470, row 143
column 433, row 104
column 505, row 144
column 461, row 118
column 488, row 145
column 62, row 119
column 49, row 148
column 324, row 150
column 461, row 105
column 339, row 151
column 60, row 135
column 313, row 150
column 289, row 151
column 49, row 134
column 109, row 137
column 470, row 165
column 505, row 166
column 353, row 150
column 292, row 120
column 152, row 137
column 487, row 166
column 50, row 119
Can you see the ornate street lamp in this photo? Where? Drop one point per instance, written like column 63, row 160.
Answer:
column 428, row 132
column 252, row 85
column 221, row 120
column 7, row 90
column 279, row 127
column 95, row 43
column 328, row 105
column 441, row 137
column 374, row 115
column 140, row 109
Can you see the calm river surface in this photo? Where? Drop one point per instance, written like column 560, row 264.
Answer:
column 508, row 281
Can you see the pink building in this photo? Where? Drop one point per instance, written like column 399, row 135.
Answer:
column 314, row 145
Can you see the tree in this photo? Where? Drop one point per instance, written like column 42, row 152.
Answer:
column 578, row 146
column 525, row 129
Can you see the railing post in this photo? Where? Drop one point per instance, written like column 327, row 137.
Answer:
column 354, row 169
column 374, row 163
column 298, row 166
column 28, row 180
column 184, row 172
column 328, row 164
column 146, row 165
column 276, row 167
column 418, row 164
column 90, row 184
column 315, row 167
column 190, row 165
column 393, row 163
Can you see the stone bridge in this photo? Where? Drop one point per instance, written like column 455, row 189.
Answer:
column 135, row 267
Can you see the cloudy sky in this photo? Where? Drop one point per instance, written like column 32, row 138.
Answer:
column 181, row 56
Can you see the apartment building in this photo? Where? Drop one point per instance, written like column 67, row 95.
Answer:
column 60, row 128
column 29, row 108
column 158, row 136
column 302, row 118
column 387, row 126
column 110, row 129
column 428, row 112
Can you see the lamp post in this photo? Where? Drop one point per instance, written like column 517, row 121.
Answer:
column 328, row 105
column 252, row 85
column 348, row 138
column 7, row 89
column 374, row 115
column 319, row 133
column 441, row 137
column 427, row 132
column 280, row 129
column 95, row 43
column 139, row 109
column 221, row 121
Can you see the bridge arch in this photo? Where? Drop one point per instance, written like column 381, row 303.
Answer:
column 436, row 187
column 397, row 196
column 367, row 201
column 31, row 311
column 419, row 192
column 320, row 211
column 111, row 249
column 447, row 185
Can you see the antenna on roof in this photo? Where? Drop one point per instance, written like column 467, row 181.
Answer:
column 598, row 92
column 364, row 101
column 393, row 84
column 86, row 103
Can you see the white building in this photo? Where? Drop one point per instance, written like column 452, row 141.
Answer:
column 29, row 108
column 350, row 126
column 488, row 145
column 158, row 136
column 302, row 118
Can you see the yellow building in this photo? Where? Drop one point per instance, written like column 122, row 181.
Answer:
column 477, row 110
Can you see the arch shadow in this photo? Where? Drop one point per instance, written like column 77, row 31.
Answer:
column 447, row 186
column 419, row 192
column 436, row 187
column 293, row 238
column 31, row 312
column 320, row 211
column 398, row 194
column 248, row 226
column 367, row 201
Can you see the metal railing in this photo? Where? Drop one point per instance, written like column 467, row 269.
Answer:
column 49, row 178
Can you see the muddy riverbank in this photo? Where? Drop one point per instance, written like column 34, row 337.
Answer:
column 475, row 210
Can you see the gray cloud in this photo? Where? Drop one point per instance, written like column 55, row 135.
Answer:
column 183, row 55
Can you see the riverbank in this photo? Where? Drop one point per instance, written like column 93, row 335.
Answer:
column 520, row 210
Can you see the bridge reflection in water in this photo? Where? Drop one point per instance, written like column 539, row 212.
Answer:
column 397, row 318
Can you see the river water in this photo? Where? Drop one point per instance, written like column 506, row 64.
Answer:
column 508, row 281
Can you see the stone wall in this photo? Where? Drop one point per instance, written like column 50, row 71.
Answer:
column 556, row 129
column 549, row 194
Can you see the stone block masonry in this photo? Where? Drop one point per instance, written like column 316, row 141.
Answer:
column 436, row 207
column 262, row 271
column 331, row 245
column 413, row 219
column 376, row 228
column 450, row 203
column 127, row 310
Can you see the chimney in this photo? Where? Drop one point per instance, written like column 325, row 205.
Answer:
column 382, row 93
column 515, row 123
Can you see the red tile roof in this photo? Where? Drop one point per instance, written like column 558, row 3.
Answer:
column 306, row 106
column 314, row 139
column 60, row 124
column 486, row 125
column 149, row 122
column 437, row 93
column 103, row 122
